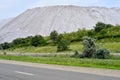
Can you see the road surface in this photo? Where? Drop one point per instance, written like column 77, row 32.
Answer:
column 21, row 72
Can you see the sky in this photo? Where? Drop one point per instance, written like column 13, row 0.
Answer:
column 12, row 8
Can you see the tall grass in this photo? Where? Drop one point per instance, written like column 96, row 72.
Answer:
column 112, row 63
column 114, row 47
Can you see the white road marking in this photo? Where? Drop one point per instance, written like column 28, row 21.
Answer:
column 25, row 73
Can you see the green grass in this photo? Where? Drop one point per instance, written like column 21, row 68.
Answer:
column 113, row 63
column 30, row 49
column 114, row 47
column 76, row 46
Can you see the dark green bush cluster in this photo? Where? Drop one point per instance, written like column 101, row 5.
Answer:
column 5, row 45
column 76, row 36
column 54, row 36
column 63, row 45
column 37, row 40
column 102, row 54
column 100, row 26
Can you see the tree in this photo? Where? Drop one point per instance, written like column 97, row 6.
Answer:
column 63, row 45
column 54, row 36
column 91, row 33
column 18, row 41
column 99, row 26
column 109, row 26
column 38, row 40
column 89, row 47
column 5, row 45
column 60, row 36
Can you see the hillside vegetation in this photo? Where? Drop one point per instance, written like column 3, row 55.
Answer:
column 106, row 36
column 86, row 48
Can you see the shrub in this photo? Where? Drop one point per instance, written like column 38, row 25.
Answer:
column 63, row 45
column 99, row 26
column 60, row 36
column 21, row 42
column 18, row 41
column 54, row 36
column 102, row 54
column 38, row 40
column 89, row 47
column 5, row 45
column 91, row 33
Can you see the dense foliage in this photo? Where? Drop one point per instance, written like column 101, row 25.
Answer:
column 38, row 40
column 89, row 47
column 102, row 54
column 5, row 45
column 100, row 26
column 63, row 45
column 54, row 36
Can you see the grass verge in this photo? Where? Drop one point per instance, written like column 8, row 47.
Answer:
column 113, row 63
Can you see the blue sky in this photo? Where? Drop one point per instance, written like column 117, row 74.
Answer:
column 12, row 8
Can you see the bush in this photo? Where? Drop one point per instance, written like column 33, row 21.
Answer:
column 5, row 45
column 38, row 40
column 89, row 47
column 54, row 36
column 91, row 33
column 63, row 45
column 102, row 54
column 100, row 26
column 21, row 42
column 60, row 36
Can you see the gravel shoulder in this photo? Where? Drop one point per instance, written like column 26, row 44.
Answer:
column 97, row 71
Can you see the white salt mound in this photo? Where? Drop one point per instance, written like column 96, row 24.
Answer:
column 61, row 18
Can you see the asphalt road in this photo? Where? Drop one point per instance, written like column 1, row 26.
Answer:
column 19, row 72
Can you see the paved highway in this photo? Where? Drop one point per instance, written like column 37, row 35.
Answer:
column 20, row 72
